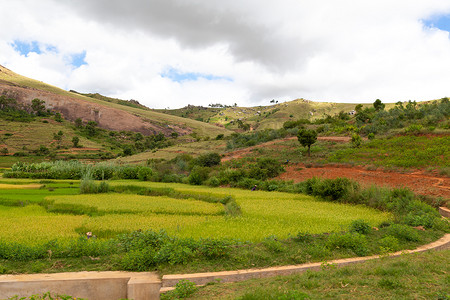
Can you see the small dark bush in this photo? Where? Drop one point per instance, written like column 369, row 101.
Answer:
column 360, row 226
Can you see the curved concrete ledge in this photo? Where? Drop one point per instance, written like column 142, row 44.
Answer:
column 89, row 285
column 444, row 211
column 169, row 281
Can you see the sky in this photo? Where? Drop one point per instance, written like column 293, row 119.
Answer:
column 171, row 53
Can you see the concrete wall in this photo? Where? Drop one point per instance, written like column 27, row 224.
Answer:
column 90, row 285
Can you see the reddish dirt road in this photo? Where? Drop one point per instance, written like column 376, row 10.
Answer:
column 418, row 181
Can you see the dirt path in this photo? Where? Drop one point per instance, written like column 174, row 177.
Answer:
column 418, row 181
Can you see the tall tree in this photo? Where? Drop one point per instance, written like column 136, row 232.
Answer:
column 306, row 138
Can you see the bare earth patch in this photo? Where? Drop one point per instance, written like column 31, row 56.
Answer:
column 418, row 181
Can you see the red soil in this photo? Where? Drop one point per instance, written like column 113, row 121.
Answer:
column 419, row 182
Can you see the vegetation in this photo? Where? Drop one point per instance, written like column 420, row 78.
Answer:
column 306, row 138
column 405, row 277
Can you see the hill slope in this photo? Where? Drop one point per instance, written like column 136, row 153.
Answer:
column 108, row 115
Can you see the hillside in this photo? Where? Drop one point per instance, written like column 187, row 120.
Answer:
column 263, row 117
column 108, row 115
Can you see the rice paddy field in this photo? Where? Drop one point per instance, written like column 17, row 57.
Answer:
column 25, row 219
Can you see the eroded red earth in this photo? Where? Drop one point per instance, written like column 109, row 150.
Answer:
column 419, row 181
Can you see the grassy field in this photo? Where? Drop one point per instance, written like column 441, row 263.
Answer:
column 400, row 151
column 263, row 214
column 412, row 276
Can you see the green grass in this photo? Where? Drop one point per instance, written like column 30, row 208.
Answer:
column 412, row 276
column 401, row 151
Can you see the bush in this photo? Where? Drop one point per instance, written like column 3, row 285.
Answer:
column 198, row 175
column 403, row 232
column 145, row 173
column 138, row 260
column 209, row 159
column 353, row 241
column 265, row 168
column 333, row 189
column 389, row 243
column 360, row 226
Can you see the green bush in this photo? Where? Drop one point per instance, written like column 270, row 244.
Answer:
column 333, row 189
column 175, row 252
column 403, row 232
column 360, row 226
column 353, row 241
column 145, row 173
column 138, row 260
column 198, row 175
column 389, row 243
column 209, row 159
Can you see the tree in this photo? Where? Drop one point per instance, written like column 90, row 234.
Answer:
column 356, row 140
column 209, row 159
column 76, row 141
column 58, row 117
column 38, row 106
column 91, row 128
column 78, row 123
column 4, row 151
column 306, row 138
column 378, row 105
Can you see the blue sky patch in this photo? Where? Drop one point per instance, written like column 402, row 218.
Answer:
column 78, row 59
column 441, row 22
column 177, row 76
column 24, row 48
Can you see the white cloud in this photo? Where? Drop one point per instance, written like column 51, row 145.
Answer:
column 328, row 50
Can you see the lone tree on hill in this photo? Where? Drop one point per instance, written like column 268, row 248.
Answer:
column 306, row 138
column 378, row 105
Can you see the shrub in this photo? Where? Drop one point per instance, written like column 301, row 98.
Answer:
column 213, row 249
column 145, row 173
column 353, row 241
column 403, row 232
column 209, row 159
column 389, row 243
column 360, row 226
column 138, row 260
column 333, row 189
column 356, row 140
column 175, row 252
column 198, row 175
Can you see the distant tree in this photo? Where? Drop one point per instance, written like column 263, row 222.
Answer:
column 209, row 159
column 91, row 128
column 138, row 137
column 4, row 151
column 378, row 105
column 174, row 135
column 58, row 117
column 75, row 141
column 78, row 123
column 242, row 125
column 356, row 140
column 306, row 138
column 358, row 107
column 38, row 106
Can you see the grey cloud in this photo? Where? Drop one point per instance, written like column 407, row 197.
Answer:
column 198, row 24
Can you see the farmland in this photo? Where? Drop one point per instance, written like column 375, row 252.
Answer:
column 264, row 214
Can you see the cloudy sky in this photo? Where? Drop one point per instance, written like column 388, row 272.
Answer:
column 170, row 53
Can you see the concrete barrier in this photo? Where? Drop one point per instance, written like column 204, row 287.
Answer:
column 444, row 211
column 90, row 285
